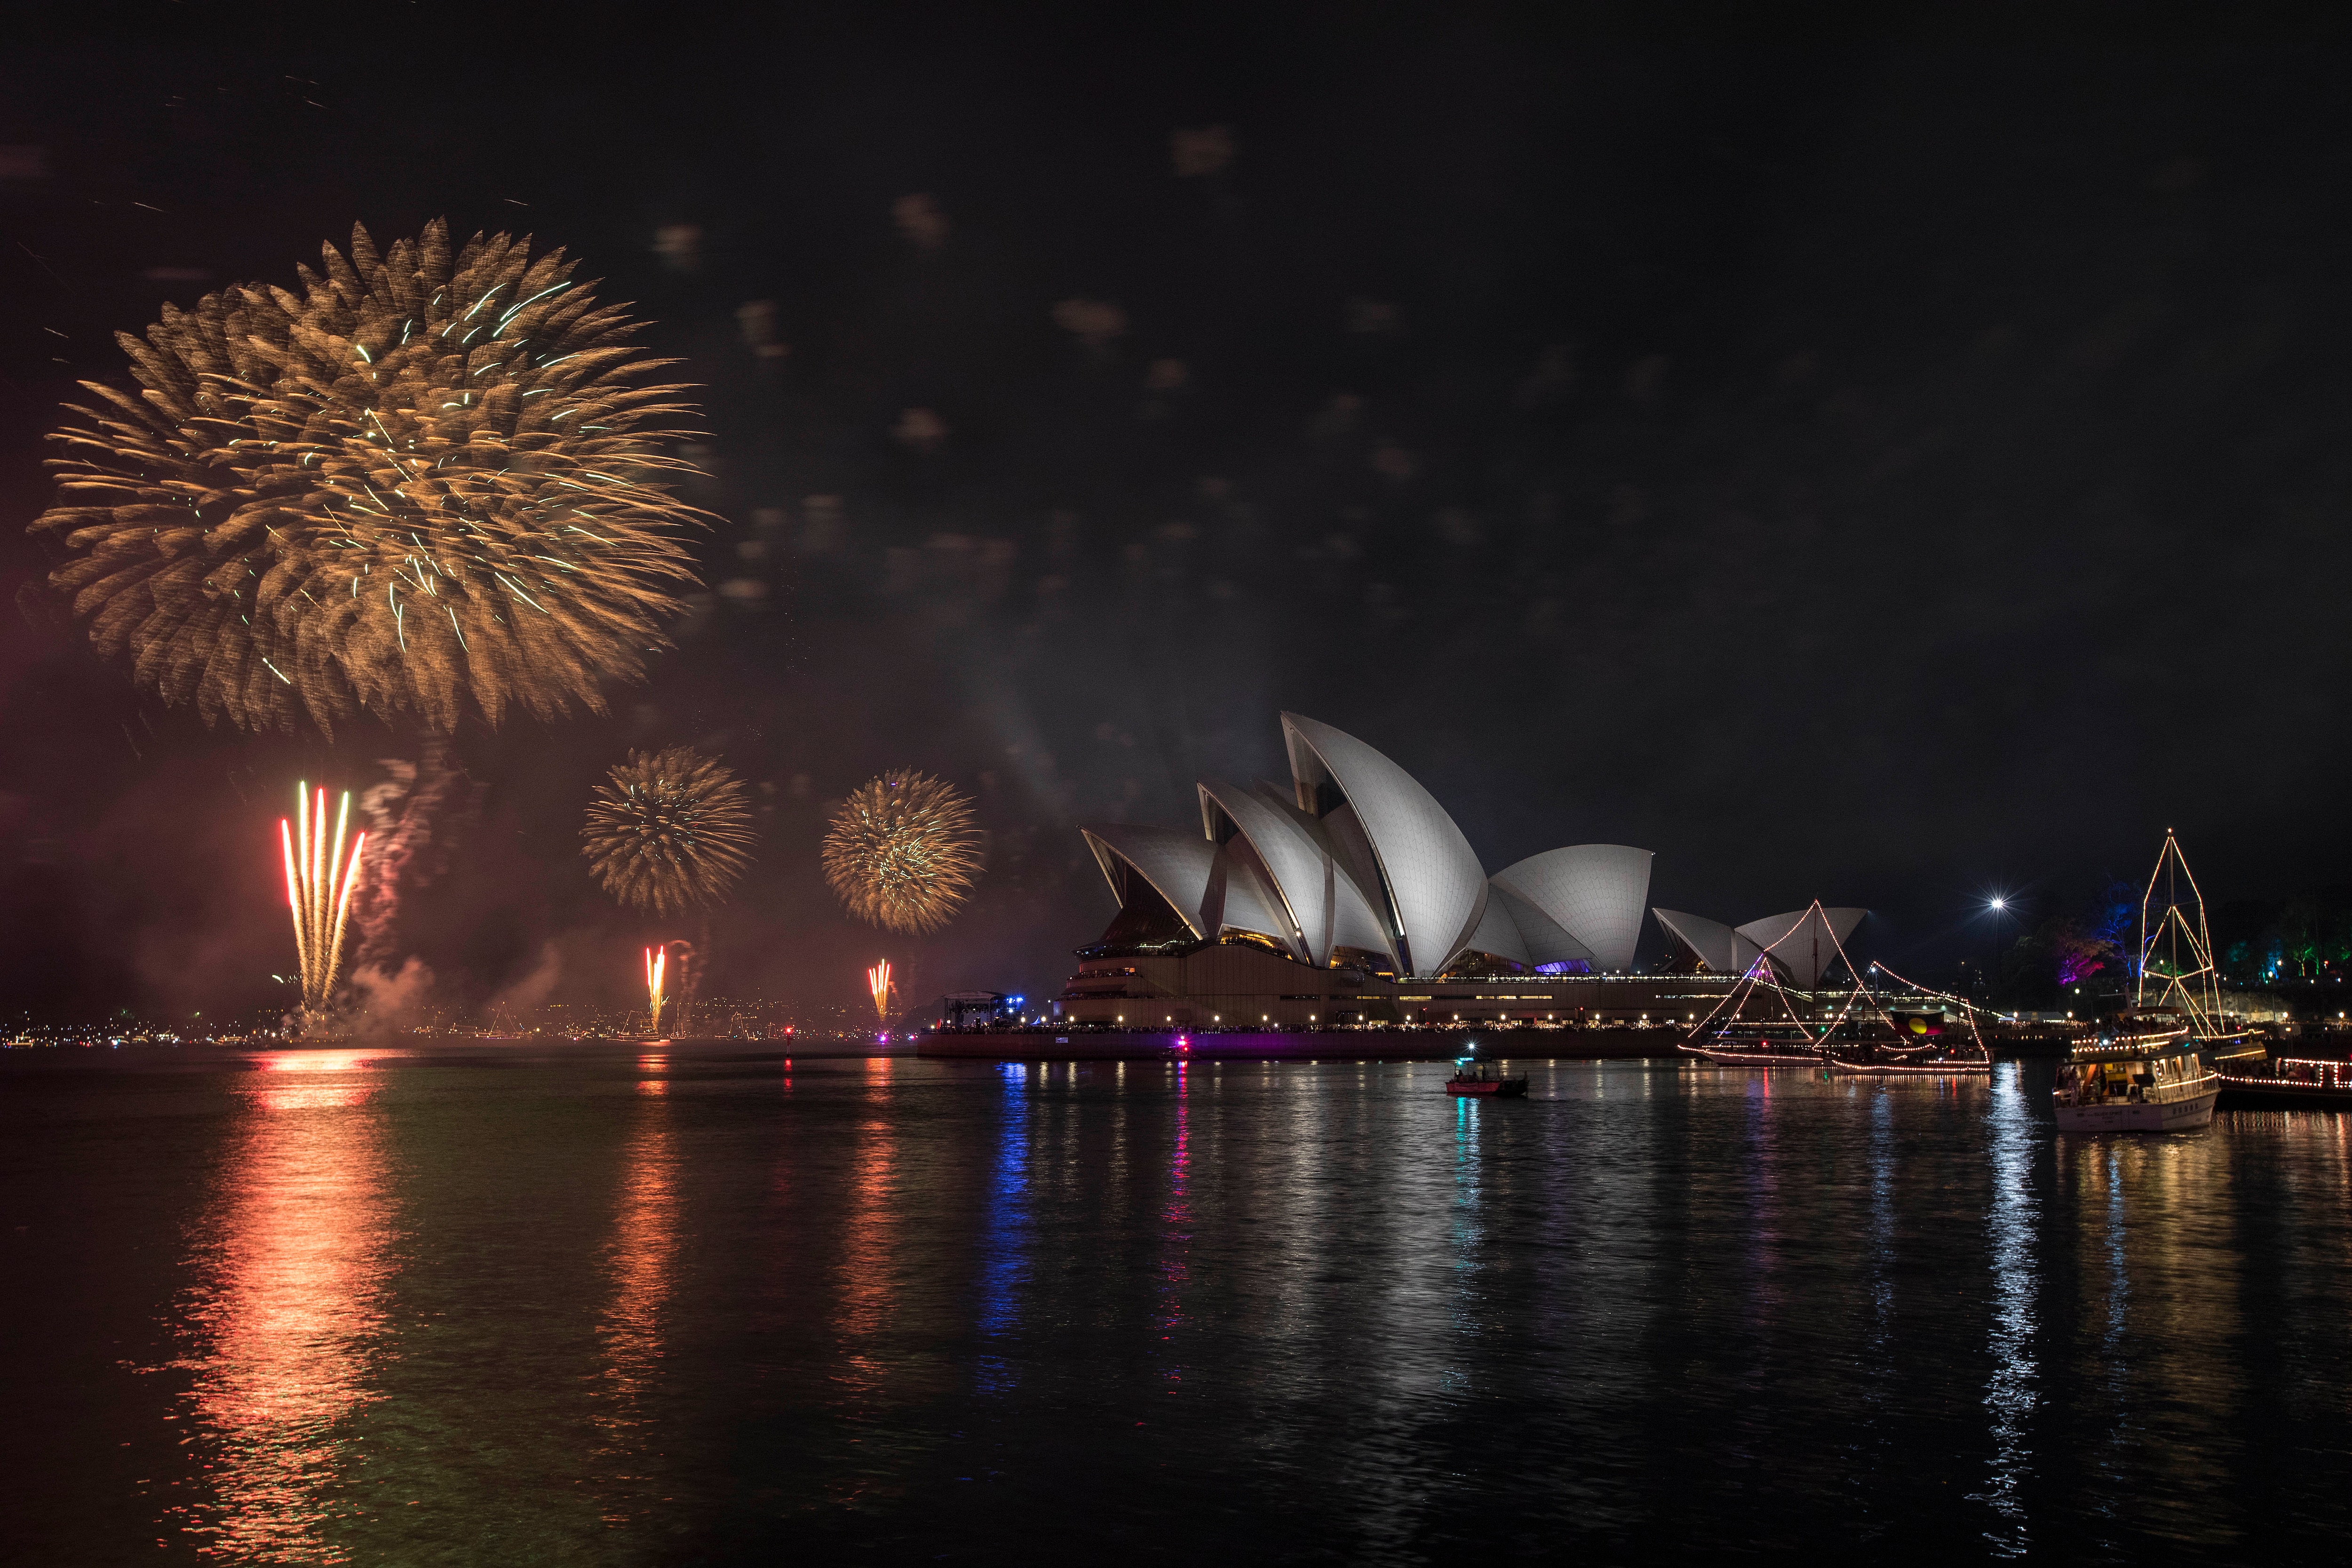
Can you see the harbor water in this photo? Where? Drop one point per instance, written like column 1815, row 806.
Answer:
column 610, row 1304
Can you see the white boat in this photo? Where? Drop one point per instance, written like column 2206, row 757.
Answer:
column 2139, row 1080
column 2152, row 1070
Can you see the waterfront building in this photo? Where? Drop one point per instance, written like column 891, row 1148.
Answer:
column 1349, row 896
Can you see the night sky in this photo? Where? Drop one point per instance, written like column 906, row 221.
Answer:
column 1884, row 468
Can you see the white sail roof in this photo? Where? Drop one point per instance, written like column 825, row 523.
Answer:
column 1425, row 870
column 1720, row 948
column 1804, row 942
column 1177, row 864
column 1594, row 893
column 1500, row 935
column 1318, row 902
column 1547, row 941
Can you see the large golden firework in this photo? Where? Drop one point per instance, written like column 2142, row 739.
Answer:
column 670, row 830
column 426, row 485
column 903, row 852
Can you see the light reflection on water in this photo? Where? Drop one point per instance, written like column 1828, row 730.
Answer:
column 642, row 1262
column 595, row 1309
column 285, row 1310
column 2010, row 1395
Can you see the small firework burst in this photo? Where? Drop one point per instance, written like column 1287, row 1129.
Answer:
column 427, row 485
column 903, row 852
column 318, row 883
column 878, row 984
column 670, row 831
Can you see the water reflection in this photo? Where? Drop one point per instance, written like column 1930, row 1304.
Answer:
column 1005, row 1242
column 292, row 1260
column 869, row 1240
column 2008, row 1396
column 642, row 1261
column 1176, row 1229
column 1468, row 1237
column 1665, row 1309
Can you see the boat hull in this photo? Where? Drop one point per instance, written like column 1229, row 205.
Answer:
column 1490, row 1088
column 2140, row 1115
column 1757, row 1058
column 1910, row 1069
column 2282, row 1094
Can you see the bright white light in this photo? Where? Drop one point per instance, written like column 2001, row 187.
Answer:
column 1999, row 904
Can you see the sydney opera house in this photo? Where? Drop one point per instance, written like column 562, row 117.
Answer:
column 1350, row 897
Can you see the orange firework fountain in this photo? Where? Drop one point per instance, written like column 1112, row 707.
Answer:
column 657, row 967
column 318, row 883
column 877, row 980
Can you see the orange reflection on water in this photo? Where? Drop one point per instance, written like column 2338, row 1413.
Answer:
column 643, row 1258
column 643, row 1249
column 293, row 1260
column 870, row 1242
column 315, row 1080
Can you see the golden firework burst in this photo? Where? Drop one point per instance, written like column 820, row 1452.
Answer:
column 670, row 830
column 903, row 852
column 319, row 884
column 427, row 484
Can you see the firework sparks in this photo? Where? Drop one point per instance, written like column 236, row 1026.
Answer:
column 903, row 852
column 319, row 889
column 426, row 485
column 657, row 967
column 670, row 831
column 877, row 980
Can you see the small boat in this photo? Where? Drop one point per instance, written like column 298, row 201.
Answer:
column 2146, row 1077
column 1472, row 1076
column 2288, row 1083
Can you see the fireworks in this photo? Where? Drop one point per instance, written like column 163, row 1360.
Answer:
column 877, row 980
column 903, row 852
column 318, row 888
column 671, row 830
column 656, row 963
column 422, row 487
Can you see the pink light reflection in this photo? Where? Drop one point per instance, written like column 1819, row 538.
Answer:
column 293, row 1264
column 642, row 1261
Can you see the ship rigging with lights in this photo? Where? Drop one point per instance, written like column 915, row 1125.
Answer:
column 2151, row 1070
column 1764, row 1023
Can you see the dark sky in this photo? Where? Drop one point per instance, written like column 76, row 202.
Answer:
column 1878, row 466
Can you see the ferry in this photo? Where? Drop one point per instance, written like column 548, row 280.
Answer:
column 2152, row 1070
column 2146, row 1076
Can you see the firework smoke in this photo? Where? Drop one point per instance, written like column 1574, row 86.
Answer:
column 902, row 852
column 423, row 486
column 670, row 831
column 685, row 982
column 877, row 980
column 319, row 889
column 412, row 816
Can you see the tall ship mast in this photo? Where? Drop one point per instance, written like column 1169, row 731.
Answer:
column 2151, row 1070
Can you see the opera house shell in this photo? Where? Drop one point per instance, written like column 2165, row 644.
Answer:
column 1799, row 946
column 1354, row 868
